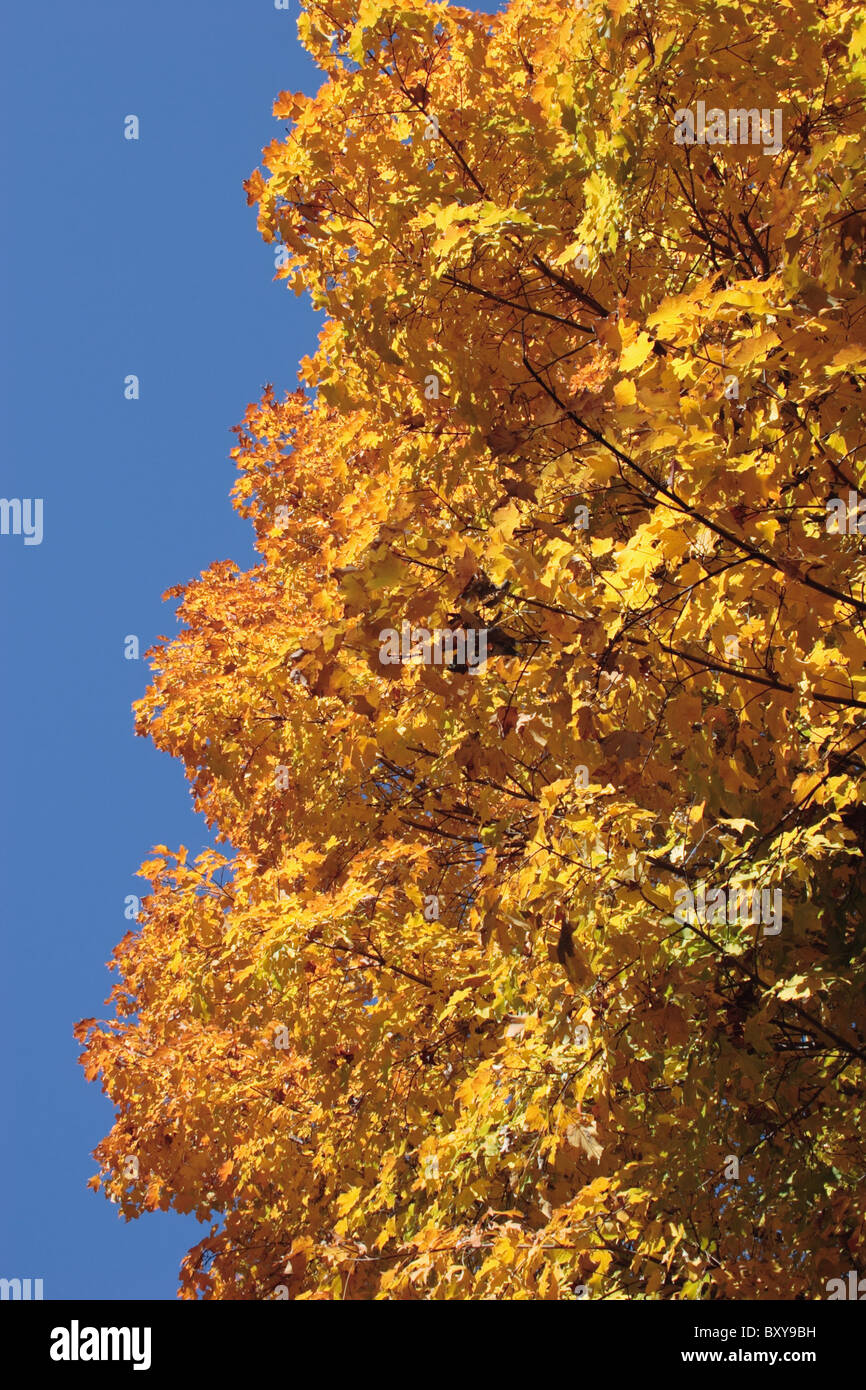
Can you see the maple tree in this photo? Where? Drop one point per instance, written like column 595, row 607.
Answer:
column 431, row 1026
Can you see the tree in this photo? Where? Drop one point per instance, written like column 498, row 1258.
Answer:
column 542, row 977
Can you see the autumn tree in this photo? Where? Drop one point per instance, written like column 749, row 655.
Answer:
column 467, row 1005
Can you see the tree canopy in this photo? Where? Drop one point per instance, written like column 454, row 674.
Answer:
column 544, row 978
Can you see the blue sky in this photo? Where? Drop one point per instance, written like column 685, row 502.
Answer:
column 118, row 257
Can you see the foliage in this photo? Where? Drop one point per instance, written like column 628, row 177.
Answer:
column 535, row 301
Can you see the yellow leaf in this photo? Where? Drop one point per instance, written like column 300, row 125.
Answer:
column 637, row 353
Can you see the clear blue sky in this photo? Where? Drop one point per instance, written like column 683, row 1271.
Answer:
column 118, row 257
